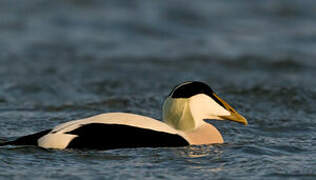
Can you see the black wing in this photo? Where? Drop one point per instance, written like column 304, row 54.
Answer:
column 111, row 136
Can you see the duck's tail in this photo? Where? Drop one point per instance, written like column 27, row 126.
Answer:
column 5, row 143
column 27, row 140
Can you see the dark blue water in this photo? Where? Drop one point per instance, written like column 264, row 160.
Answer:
column 66, row 60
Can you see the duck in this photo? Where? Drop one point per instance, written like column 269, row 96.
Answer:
column 184, row 112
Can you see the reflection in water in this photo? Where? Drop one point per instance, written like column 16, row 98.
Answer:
column 197, row 157
column 202, row 151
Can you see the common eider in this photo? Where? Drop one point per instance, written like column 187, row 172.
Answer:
column 184, row 111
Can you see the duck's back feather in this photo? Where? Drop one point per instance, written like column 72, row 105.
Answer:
column 112, row 130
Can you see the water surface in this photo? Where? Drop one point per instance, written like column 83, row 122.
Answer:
column 66, row 60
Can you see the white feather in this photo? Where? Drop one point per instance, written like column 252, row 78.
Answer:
column 58, row 139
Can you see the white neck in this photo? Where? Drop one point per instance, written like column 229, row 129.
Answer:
column 178, row 114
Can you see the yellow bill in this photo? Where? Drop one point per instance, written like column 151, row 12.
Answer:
column 234, row 116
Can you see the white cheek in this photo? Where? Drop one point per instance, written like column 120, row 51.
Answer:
column 204, row 106
column 217, row 109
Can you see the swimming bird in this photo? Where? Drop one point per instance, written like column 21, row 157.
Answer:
column 184, row 111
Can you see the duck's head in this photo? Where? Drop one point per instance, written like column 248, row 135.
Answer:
column 190, row 103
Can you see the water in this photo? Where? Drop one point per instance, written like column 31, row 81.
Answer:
column 66, row 60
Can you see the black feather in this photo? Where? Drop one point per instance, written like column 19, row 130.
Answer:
column 27, row 140
column 111, row 136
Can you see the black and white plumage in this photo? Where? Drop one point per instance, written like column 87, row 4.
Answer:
column 184, row 111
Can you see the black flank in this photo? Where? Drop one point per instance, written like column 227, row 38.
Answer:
column 111, row 136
